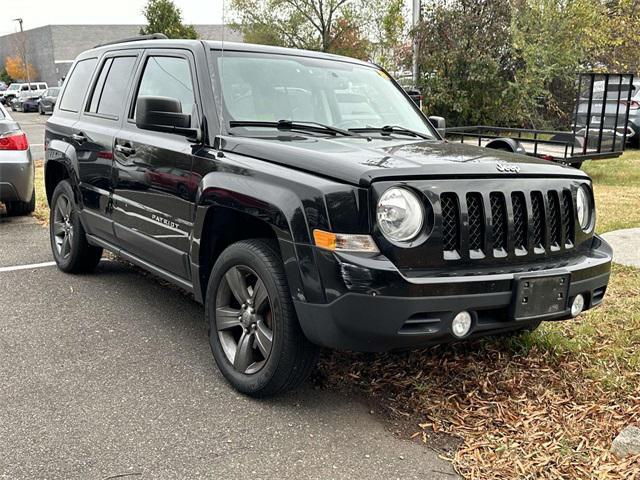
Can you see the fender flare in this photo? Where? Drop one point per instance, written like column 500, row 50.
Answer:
column 63, row 153
column 280, row 208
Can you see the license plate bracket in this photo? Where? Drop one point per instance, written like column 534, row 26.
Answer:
column 540, row 296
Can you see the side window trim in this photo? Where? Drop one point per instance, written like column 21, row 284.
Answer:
column 109, row 56
column 163, row 52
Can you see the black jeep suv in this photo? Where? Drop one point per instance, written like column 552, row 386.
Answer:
column 305, row 200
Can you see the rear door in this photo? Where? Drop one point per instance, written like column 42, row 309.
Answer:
column 153, row 191
column 61, row 132
column 94, row 135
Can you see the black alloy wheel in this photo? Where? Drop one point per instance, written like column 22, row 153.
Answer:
column 254, row 333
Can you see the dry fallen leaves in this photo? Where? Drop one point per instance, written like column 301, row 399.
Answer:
column 522, row 409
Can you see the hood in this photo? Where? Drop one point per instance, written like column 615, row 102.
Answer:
column 361, row 162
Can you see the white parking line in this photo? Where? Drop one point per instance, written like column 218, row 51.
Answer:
column 27, row 267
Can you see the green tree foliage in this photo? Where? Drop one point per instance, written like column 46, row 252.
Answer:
column 466, row 59
column 514, row 62
column 5, row 77
column 164, row 17
column 356, row 28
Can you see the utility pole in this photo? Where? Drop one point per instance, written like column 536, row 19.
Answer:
column 415, row 22
column 24, row 52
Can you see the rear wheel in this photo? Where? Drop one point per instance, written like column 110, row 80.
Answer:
column 254, row 333
column 69, row 245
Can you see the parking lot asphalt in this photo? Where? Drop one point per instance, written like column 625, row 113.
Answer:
column 110, row 375
column 33, row 125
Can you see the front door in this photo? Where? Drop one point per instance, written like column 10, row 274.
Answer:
column 154, row 188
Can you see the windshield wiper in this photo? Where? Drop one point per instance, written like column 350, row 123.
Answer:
column 389, row 129
column 288, row 125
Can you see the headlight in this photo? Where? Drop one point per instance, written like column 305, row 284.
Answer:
column 583, row 206
column 400, row 214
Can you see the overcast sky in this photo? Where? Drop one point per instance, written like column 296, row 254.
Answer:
column 36, row 13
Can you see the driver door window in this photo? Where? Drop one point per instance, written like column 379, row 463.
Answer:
column 168, row 77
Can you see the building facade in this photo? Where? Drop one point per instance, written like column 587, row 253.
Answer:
column 52, row 48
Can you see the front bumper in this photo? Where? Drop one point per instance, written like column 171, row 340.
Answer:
column 17, row 172
column 374, row 307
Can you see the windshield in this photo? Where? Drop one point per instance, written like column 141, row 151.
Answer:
column 270, row 88
column 13, row 86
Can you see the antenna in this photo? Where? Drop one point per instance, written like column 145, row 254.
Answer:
column 220, row 109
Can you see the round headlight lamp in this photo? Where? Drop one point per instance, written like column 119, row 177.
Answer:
column 583, row 208
column 400, row 214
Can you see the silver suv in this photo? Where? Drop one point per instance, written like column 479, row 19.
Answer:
column 17, row 169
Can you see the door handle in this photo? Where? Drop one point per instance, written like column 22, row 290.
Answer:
column 124, row 150
column 79, row 137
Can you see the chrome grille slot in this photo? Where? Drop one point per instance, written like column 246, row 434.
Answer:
column 519, row 221
column 568, row 218
column 537, row 207
column 499, row 221
column 555, row 222
column 450, row 222
column 476, row 221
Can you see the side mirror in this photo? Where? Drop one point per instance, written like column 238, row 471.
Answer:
column 440, row 124
column 163, row 114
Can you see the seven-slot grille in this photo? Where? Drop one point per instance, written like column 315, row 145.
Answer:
column 498, row 224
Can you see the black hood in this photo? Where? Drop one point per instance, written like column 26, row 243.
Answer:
column 360, row 162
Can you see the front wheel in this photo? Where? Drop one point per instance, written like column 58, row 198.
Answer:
column 69, row 245
column 254, row 333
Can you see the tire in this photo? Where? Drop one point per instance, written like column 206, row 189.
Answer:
column 19, row 209
column 71, row 251
column 290, row 357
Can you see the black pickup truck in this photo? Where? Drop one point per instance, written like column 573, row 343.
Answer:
column 306, row 201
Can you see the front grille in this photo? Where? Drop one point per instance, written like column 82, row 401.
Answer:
column 450, row 222
column 512, row 223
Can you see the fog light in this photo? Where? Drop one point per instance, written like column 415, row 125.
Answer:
column 577, row 306
column 461, row 324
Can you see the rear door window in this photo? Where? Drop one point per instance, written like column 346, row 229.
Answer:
column 110, row 91
column 77, row 85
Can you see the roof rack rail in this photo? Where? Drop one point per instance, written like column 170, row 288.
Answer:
column 153, row 36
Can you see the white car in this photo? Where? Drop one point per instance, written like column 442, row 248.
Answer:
column 15, row 89
column 17, row 169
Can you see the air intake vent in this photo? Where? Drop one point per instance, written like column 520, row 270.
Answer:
column 568, row 218
column 499, row 221
column 537, row 205
column 519, row 220
column 450, row 222
column 555, row 222
column 476, row 221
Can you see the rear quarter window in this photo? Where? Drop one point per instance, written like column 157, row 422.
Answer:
column 77, row 85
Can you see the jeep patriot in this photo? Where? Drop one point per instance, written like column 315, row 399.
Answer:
column 307, row 202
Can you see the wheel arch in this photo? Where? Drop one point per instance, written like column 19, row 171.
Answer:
column 60, row 164
column 230, row 208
